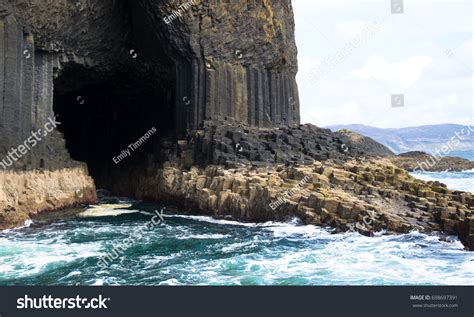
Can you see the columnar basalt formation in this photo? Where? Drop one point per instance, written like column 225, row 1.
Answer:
column 225, row 60
column 232, row 144
column 234, row 59
column 36, row 171
column 111, row 70
column 119, row 68
column 26, row 101
column 238, row 171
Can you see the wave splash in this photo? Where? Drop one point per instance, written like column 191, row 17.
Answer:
column 200, row 250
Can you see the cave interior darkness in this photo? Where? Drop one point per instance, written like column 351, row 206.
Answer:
column 102, row 114
column 103, row 110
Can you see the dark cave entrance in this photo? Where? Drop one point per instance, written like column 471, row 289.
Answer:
column 102, row 114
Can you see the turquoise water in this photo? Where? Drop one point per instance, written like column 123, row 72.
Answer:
column 199, row 250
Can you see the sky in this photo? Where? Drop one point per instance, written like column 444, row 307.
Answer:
column 359, row 63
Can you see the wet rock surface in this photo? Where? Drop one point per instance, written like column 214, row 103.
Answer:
column 367, row 196
column 25, row 194
column 466, row 232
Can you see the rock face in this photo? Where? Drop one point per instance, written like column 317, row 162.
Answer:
column 24, row 194
column 37, row 173
column 102, row 65
column 26, row 95
column 234, row 59
column 421, row 161
column 466, row 232
column 215, row 59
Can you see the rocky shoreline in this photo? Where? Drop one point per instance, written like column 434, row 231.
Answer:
column 24, row 194
column 421, row 161
column 323, row 179
column 365, row 195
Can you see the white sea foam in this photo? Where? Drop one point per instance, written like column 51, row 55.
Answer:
column 170, row 282
column 27, row 258
column 213, row 220
column 203, row 236
column 278, row 228
column 107, row 210
column 26, row 224
column 357, row 260
column 287, row 229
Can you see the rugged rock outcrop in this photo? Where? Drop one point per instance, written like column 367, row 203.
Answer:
column 233, row 144
column 26, row 193
column 362, row 195
column 362, row 145
column 421, row 161
column 222, row 171
column 466, row 232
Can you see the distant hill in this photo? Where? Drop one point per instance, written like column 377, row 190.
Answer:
column 426, row 138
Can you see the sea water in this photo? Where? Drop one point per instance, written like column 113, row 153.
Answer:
column 200, row 250
column 463, row 181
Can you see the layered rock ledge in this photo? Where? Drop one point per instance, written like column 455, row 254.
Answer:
column 26, row 193
column 367, row 195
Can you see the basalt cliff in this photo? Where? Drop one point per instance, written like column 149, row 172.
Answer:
column 216, row 81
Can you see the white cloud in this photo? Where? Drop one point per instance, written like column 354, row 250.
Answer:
column 425, row 54
column 351, row 29
column 403, row 73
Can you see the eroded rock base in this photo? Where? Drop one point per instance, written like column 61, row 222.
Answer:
column 26, row 193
